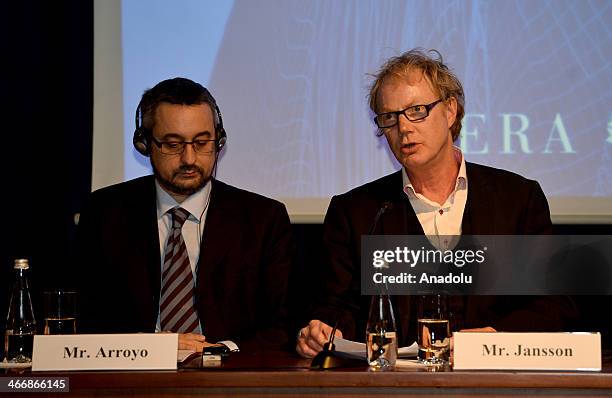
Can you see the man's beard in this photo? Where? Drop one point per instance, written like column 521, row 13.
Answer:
column 182, row 189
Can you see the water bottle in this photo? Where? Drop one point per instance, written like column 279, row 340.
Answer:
column 20, row 322
column 381, row 334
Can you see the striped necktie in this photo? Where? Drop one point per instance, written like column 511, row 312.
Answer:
column 177, row 307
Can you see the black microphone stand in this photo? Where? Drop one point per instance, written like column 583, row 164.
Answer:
column 329, row 358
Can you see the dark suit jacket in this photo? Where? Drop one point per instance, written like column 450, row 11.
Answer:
column 498, row 203
column 244, row 264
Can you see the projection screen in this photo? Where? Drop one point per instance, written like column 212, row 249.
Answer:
column 291, row 79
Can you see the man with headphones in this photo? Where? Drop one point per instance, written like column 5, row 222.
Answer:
column 180, row 251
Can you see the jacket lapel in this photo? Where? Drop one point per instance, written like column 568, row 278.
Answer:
column 401, row 219
column 146, row 241
column 479, row 216
column 216, row 238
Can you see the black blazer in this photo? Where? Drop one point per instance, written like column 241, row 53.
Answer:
column 499, row 202
column 245, row 258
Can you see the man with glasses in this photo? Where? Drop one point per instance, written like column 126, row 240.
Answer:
column 419, row 104
column 180, row 251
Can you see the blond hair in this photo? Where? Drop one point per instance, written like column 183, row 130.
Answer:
column 443, row 81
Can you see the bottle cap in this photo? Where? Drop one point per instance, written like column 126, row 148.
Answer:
column 21, row 263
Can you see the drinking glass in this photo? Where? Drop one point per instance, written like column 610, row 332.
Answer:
column 60, row 312
column 433, row 334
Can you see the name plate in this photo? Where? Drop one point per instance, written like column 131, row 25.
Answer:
column 140, row 351
column 527, row 351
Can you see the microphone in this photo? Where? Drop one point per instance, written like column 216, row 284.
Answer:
column 387, row 205
column 329, row 346
column 330, row 358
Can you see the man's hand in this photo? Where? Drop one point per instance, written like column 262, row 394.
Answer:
column 312, row 337
column 193, row 341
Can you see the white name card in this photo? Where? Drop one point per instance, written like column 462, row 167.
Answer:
column 140, row 351
column 527, row 351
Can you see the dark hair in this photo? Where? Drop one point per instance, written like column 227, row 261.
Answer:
column 178, row 91
column 443, row 81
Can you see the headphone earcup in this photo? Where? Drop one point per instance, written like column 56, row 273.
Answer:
column 222, row 139
column 141, row 143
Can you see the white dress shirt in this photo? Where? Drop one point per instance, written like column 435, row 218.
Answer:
column 440, row 222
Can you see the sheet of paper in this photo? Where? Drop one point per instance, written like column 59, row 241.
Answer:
column 359, row 349
column 410, row 351
column 182, row 355
column 350, row 347
column 409, row 363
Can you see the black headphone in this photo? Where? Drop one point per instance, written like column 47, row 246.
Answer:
column 141, row 134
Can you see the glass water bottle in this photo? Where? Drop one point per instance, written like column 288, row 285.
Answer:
column 20, row 322
column 381, row 334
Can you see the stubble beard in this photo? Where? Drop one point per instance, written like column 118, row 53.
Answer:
column 175, row 186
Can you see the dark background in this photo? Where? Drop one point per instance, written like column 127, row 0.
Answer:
column 47, row 84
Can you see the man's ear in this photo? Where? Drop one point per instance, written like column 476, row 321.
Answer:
column 451, row 111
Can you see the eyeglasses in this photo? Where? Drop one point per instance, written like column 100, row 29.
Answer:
column 412, row 113
column 177, row 147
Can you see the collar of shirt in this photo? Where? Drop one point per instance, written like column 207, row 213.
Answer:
column 460, row 184
column 441, row 224
column 194, row 204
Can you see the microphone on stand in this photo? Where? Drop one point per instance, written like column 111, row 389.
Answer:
column 329, row 346
column 329, row 358
column 387, row 205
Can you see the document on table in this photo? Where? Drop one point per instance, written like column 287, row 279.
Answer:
column 183, row 355
column 359, row 349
